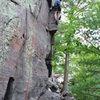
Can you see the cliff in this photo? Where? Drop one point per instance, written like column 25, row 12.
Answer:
column 25, row 44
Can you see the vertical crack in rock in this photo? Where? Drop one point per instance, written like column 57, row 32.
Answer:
column 10, row 21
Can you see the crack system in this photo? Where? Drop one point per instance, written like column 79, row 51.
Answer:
column 16, row 3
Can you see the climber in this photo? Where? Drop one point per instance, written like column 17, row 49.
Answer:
column 54, row 15
column 57, row 9
column 55, row 5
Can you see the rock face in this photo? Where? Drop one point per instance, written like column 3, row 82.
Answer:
column 24, row 46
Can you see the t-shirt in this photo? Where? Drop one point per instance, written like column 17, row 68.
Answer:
column 57, row 2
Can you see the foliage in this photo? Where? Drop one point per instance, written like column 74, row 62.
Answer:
column 78, row 35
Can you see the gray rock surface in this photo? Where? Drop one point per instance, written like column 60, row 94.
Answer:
column 24, row 42
column 50, row 96
column 24, row 46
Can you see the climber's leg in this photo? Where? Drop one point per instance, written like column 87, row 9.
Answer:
column 59, row 15
column 57, row 12
column 56, row 17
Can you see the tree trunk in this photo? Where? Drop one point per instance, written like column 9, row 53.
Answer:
column 65, row 85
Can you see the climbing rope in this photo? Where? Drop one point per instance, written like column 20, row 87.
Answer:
column 29, row 70
column 29, row 74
